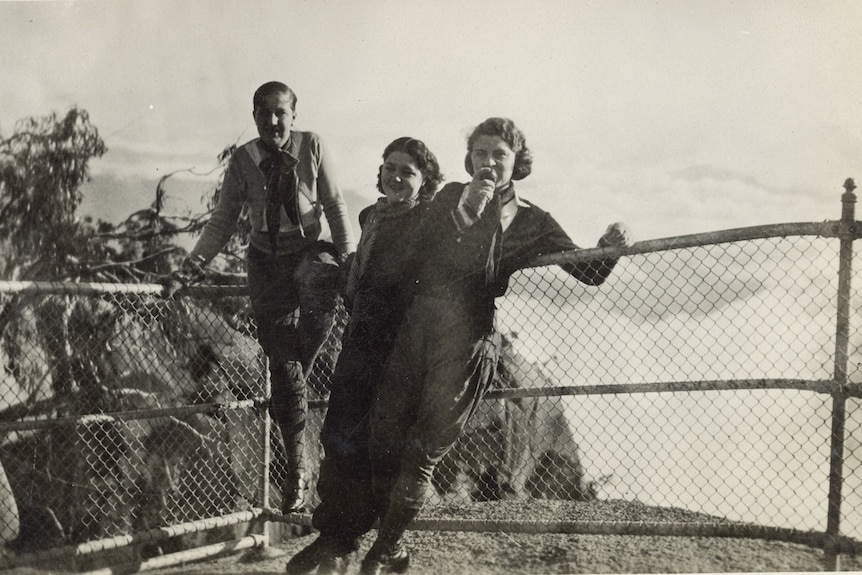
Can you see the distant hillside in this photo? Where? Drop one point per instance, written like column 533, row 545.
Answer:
column 111, row 198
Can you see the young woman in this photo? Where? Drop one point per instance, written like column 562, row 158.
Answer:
column 477, row 235
column 377, row 295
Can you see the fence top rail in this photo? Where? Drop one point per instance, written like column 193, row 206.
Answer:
column 234, row 284
column 821, row 229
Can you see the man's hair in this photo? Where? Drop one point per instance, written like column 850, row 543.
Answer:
column 273, row 88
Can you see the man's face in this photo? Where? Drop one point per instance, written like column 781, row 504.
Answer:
column 274, row 118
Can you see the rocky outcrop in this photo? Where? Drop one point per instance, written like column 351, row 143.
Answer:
column 98, row 475
column 516, row 447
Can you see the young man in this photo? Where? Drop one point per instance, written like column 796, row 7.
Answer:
column 285, row 179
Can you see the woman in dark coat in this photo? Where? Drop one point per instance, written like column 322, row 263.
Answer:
column 476, row 236
column 377, row 295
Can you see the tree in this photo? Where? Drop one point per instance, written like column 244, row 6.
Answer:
column 238, row 244
column 155, row 230
column 42, row 167
column 70, row 355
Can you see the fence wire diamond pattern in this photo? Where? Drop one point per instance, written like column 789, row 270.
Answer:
column 696, row 378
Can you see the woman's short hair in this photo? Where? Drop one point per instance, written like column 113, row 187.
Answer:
column 273, row 88
column 507, row 131
column 425, row 160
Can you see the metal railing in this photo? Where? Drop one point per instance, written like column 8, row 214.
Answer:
column 715, row 378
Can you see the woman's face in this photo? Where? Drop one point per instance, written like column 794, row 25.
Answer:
column 400, row 178
column 493, row 152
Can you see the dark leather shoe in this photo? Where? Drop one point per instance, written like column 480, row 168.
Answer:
column 380, row 560
column 293, row 497
column 293, row 503
column 326, row 554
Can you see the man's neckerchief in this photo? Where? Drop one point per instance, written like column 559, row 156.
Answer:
column 279, row 167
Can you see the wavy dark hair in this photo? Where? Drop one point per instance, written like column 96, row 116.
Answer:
column 425, row 160
column 273, row 88
column 507, row 131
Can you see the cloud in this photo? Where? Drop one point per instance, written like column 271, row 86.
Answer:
column 700, row 172
column 743, row 310
column 747, row 310
column 154, row 161
column 113, row 197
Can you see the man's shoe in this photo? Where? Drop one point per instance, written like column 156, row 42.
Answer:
column 385, row 560
column 293, row 503
column 293, row 496
column 324, row 552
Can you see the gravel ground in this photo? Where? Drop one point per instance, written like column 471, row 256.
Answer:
column 451, row 553
column 498, row 553
column 469, row 553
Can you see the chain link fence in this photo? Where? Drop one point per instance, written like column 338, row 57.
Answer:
column 706, row 375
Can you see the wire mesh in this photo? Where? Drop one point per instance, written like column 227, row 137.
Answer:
column 744, row 311
column 116, row 373
column 744, row 329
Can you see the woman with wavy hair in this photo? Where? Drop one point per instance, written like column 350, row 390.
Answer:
column 377, row 295
column 476, row 236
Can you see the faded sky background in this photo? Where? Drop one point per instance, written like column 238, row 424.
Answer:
column 673, row 116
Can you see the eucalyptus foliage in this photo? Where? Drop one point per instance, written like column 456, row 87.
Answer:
column 42, row 167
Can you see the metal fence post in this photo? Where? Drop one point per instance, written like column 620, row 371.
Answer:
column 839, row 397
column 265, row 551
column 267, row 454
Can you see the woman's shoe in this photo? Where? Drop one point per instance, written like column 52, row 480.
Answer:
column 293, row 496
column 327, row 554
column 379, row 560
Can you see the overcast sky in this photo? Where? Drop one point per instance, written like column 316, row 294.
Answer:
column 675, row 116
